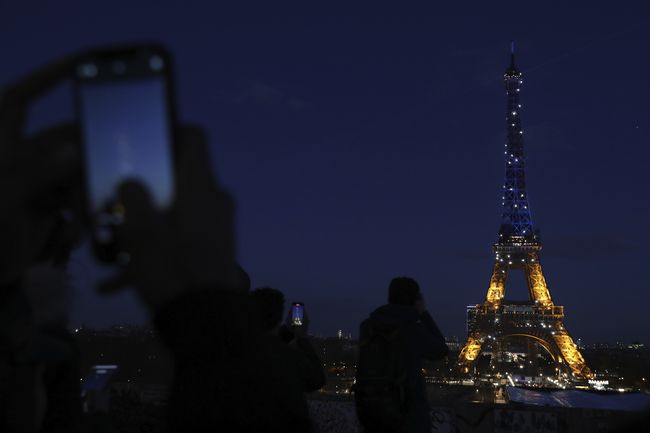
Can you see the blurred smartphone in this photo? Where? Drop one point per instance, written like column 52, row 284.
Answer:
column 125, row 104
column 297, row 313
column 96, row 388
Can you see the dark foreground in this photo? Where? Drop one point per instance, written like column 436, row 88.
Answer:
column 454, row 409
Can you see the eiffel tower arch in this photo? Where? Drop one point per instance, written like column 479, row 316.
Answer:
column 518, row 250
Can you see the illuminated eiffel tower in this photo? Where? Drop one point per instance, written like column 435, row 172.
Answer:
column 518, row 248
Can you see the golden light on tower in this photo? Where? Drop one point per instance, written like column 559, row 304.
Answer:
column 471, row 349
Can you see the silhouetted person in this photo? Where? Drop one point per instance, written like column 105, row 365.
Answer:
column 49, row 296
column 390, row 389
column 182, row 266
column 39, row 181
column 291, row 353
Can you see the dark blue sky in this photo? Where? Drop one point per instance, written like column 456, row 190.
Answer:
column 369, row 145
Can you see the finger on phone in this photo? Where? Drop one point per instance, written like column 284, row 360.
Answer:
column 137, row 201
column 195, row 164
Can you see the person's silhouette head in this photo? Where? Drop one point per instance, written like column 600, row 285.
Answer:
column 403, row 291
column 268, row 304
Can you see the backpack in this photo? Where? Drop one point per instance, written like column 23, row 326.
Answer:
column 380, row 391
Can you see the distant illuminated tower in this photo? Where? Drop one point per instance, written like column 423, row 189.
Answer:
column 517, row 248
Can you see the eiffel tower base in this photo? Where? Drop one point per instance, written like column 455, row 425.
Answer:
column 537, row 319
column 544, row 325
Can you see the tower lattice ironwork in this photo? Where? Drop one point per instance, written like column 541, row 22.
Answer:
column 518, row 248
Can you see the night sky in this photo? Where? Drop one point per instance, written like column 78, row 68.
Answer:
column 366, row 145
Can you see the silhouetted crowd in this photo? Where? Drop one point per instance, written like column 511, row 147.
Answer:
column 240, row 363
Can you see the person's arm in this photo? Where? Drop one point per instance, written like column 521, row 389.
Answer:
column 39, row 175
column 430, row 339
column 182, row 265
column 286, row 334
column 309, row 365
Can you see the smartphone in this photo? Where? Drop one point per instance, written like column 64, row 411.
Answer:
column 297, row 313
column 98, row 377
column 126, row 109
column 95, row 388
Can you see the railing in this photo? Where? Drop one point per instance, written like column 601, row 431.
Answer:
column 517, row 247
column 555, row 311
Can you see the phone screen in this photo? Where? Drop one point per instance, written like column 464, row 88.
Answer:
column 297, row 314
column 124, row 105
column 127, row 136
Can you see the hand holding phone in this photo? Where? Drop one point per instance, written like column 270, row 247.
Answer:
column 298, row 319
column 38, row 177
column 189, row 247
column 125, row 103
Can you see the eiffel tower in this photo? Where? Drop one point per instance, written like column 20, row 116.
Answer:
column 517, row 249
